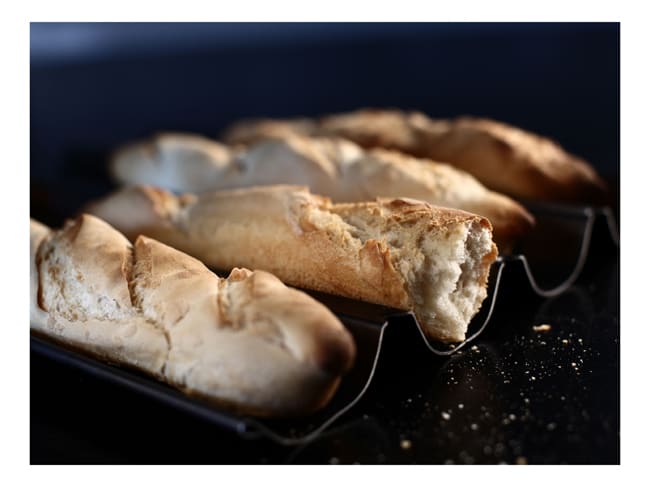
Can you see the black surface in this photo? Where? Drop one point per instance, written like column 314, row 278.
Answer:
column 560, row 80
column 517, row 395
column 514, row 396
column 94, row 87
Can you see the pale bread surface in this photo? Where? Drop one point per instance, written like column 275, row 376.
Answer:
column 247, row 341
column 502, row 157
column 400, row 253
column 329, row 166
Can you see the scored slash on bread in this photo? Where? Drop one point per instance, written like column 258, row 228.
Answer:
column 401, row 253
column 247, row 342
column 502, row 157
column 332, row 167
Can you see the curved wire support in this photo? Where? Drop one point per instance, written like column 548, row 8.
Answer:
column 577, row 269
column 259, row 428
column 472, row 337
column 611, row 224
column 255, row 429
column 287, row 441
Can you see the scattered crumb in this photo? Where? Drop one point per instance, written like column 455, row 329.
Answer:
column 461, row 406
column 473, row 426
column 405, row 444
column 445, row 415
column 542, row 328
column 522, row 461
column 565, row 342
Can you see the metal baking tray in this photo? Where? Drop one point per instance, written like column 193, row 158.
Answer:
column 581, row 236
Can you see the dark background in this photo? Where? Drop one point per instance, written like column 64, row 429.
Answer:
column 94, row 86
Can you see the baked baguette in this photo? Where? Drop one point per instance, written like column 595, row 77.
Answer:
column 331, row 167
column 502, row 157
column 400, row 253
column 247, row 342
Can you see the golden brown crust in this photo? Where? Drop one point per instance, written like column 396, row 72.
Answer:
column 503, row 157
column 515, row 162
column 330, row 166
column 247, row 340
column 372, row 251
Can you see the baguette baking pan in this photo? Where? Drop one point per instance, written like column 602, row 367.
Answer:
column 579, row 237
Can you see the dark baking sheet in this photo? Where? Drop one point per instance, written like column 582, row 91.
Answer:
column 124, row 82
column 516, row 395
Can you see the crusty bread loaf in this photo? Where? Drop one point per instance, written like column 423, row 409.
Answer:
column 331, row 167
column 502, row 157
column 247, row 341
column 400, row 253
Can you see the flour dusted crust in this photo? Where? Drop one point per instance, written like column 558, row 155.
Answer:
column 330, row 166
column 502, row 157
column 401, row 253
column 247, row 341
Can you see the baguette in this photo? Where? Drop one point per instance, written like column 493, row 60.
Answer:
column 400, row 253
column 502, row 157
column 247, row 342
column 332, row 167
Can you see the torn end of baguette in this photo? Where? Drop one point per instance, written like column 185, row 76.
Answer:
column 453, row 280
column 402, row 253
column 444, row 259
